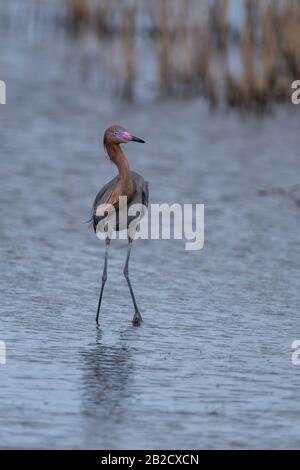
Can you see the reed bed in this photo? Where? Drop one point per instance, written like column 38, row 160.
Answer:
column 192, row 47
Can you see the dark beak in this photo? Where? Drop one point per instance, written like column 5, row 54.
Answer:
column 136, row 139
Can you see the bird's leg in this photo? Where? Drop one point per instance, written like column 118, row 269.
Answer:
column 104, row 277
column 137, row 318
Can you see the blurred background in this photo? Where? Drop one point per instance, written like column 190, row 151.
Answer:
column 233, row 53
column 208, row 86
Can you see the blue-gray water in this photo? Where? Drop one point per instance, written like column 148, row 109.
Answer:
column 211, row 365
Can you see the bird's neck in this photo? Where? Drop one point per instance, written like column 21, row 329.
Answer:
column 118, row 157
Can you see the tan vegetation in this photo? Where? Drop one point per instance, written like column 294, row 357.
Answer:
column 192, row 47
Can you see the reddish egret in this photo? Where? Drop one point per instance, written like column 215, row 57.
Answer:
column 127, row 183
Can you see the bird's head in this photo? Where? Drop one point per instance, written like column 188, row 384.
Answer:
column 118, row 135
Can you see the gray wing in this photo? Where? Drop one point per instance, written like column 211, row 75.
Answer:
column 141, row 196
column 146, row 193
column 101, row 199
column 142, row 193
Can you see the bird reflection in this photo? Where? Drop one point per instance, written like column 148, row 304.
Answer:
column 105, row 384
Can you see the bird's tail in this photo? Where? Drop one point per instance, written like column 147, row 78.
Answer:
column 90, row 221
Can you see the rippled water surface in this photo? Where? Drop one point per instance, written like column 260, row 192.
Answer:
column 211, row 365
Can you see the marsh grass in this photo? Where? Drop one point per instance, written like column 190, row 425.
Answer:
column 192, row 46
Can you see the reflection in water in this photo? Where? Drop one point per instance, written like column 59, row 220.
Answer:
column 106, row 372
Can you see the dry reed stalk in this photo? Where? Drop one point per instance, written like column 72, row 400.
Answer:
column 289, row 22
column 269, row 46
column 218, row 24
column 79, row 14
column 181, row 51
column 247, row 53
column 219, row 36
column 164, row 44
column 203, row 63
column 128, row 47
column 102, row 16
column 232, row 90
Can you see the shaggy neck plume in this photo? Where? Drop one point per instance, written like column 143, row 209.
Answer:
column 117, row 156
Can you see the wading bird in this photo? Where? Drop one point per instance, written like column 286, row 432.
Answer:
column 126, row 183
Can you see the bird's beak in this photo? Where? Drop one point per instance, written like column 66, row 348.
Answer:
column 136, row 139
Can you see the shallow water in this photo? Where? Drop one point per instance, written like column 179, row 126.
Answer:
column 211, row 365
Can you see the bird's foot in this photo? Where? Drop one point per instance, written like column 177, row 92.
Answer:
column 137, row 319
